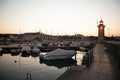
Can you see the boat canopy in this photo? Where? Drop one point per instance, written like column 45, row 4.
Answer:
column 61, row 52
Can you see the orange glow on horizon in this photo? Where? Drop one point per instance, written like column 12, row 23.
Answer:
column 59, row 17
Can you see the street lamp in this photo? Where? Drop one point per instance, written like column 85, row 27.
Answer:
column 108, row 32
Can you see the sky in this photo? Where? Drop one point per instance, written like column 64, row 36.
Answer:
column 60, row 17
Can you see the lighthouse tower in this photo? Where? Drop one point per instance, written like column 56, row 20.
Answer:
column 101, row 27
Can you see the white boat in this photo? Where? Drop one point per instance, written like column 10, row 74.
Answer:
column 83, row 49
column 39, row 45
column 25, row 49
column 58, row 54
column 35, row 50
column 15, row 51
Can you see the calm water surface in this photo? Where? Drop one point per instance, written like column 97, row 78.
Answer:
column 15, row 67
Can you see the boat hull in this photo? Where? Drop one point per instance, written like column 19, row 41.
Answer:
column 61, row 54
column 54, row 57
column 35, row 51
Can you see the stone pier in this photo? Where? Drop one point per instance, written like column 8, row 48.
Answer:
column 102, row 68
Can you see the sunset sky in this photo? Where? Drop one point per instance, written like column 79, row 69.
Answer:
column 60, row 16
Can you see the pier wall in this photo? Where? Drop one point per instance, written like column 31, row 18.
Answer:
column 75, row 71
column 113, row 48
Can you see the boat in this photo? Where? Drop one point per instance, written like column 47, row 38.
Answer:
column 15, row 52
column 25, row 52
column 26, row 49
column 35, row 47
column 83, row 49
column 39, row 45
column 35, row 50
column 58, row 54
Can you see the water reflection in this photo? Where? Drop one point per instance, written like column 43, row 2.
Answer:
column 15, row 54
column 25, row 55
column 17, row 65
column 21, row 54
column 34, row 55
column 1, row 53
column 59, row 63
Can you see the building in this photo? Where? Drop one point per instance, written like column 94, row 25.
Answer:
column 27, row 37
column 101, row 32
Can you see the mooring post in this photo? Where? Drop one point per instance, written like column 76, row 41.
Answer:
column 29, row 76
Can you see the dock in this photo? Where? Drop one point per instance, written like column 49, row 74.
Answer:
column 50, row 48
column 8, row 48
column 102, row 68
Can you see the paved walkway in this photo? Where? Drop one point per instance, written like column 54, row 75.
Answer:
column 102, row 68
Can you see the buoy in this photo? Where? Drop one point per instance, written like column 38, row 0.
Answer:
column 15, row 61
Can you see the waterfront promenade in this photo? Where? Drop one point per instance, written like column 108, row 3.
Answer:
column 102, row 68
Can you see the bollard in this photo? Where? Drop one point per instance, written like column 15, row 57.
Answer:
column 28, row 76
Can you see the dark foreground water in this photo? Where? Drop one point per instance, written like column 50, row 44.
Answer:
column 16, row 67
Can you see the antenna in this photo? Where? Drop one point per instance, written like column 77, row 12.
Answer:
column 101, row 18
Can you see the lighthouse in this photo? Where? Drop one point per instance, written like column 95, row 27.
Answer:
column 101, row 27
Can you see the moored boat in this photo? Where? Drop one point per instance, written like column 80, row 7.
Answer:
column 25, row 49
column 15, row 51
column 35, row 50
column 83, row 49
column 58, row 54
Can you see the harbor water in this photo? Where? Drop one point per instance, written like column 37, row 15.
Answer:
column 16, row 67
